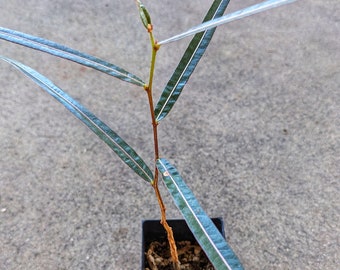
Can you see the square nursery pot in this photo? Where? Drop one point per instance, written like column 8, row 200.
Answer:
column 154, row 231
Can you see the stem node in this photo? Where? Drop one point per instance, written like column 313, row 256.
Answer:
column 149, row 28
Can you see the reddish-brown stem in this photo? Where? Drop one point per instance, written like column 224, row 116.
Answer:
column 168, row 229
column 154, row 128
column 148, row 89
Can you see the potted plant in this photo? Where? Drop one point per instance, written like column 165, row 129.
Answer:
column 203, row 229
column 155, row 255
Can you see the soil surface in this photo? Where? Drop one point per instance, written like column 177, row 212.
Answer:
column 190, row 255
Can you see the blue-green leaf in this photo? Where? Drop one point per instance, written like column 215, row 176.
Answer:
column 207, row 235
column 228, row 18
column 116, row 143
column 62, row 51
column 188, row 63
column 144, row 14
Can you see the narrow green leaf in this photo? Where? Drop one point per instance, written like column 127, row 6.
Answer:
column 228, row 18
column 116, row 143
column 188, row 63
column 62, row 51
column 144, row 14
column 204, row 230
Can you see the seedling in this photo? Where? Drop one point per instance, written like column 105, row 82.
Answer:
column 214, row 245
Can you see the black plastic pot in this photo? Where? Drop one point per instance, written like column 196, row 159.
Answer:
column 154, row 231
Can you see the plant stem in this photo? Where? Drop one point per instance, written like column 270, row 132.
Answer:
column 148, row 89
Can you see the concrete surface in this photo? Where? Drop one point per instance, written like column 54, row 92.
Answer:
column 255, row 134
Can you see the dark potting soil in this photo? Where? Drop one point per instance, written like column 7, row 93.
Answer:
column 191, row 256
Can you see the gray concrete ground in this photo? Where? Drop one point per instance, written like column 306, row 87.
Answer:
column 255, row 134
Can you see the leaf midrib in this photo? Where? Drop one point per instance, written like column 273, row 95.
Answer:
column 71, row 55
column 74, row 106
column 198, row 221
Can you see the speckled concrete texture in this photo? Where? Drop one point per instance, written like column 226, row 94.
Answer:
column 255, row 134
